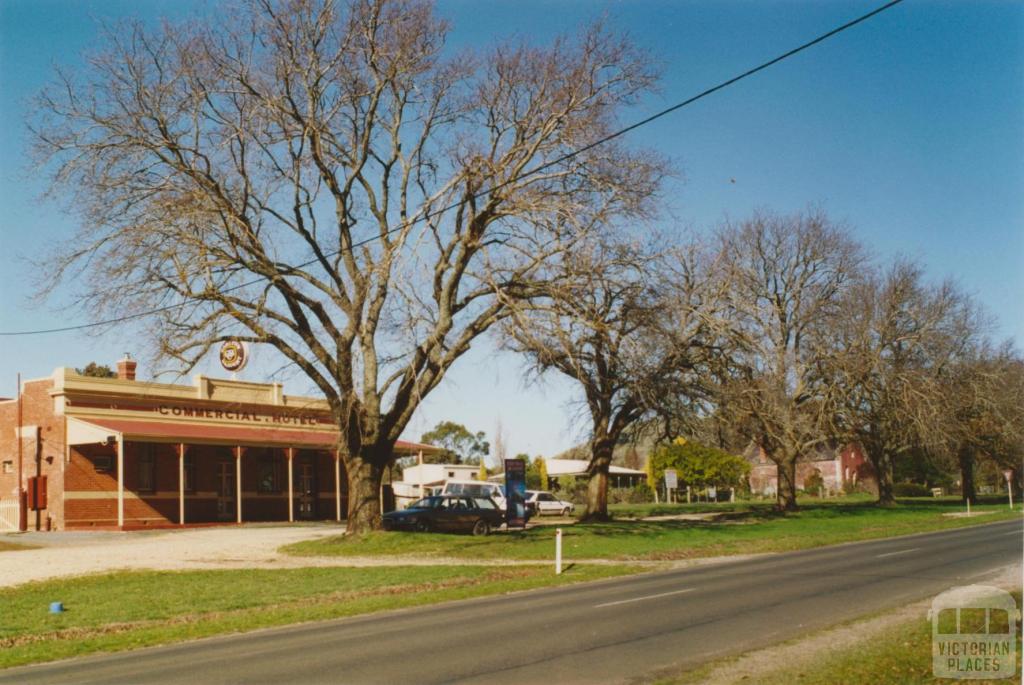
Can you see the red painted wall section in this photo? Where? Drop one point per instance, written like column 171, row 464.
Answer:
column 42, row 444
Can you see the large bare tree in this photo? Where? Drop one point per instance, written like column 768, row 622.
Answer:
column 982, row 413
column 630, row 327
column 786, row 278
column 895, row 343
column 326, row 179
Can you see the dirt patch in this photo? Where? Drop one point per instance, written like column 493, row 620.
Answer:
column 255, row 547
column 81, row 553
column 14, row 547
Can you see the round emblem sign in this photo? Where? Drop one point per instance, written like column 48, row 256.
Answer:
column 233, row 355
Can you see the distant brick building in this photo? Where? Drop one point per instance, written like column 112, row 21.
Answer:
column 84, row 452
column 842, row 469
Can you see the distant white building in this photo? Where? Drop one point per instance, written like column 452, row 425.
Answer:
column 422, row 479
column 437, row 474
column 618, row 476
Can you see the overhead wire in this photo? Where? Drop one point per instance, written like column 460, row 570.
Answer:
column 535, row 170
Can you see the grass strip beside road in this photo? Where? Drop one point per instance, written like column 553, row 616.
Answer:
column 128, row 610
column 14, row 546
column 743, row 529
column 897, row 655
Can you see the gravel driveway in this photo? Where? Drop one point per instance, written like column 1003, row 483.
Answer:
column 77, row 553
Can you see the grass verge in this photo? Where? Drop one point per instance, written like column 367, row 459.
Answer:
column 14, row 546
column 898, row 655
column 112, row 612
column 744, row 528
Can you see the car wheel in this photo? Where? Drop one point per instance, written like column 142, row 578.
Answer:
column 423, row 526
column 566, row 511
column 481, row 527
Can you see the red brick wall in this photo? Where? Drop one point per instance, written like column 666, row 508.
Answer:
column 854, row 462
column 80, row 496
column 87, row 508
column 764, row 474
column 37, row 410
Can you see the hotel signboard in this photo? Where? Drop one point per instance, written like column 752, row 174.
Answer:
column 280, row 418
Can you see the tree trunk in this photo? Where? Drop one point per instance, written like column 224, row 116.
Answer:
column 883, row 472
column 966, row 460
column 786, row 490
column 597, row 487
column 364, row 482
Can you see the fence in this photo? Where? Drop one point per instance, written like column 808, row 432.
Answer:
column 9, row 514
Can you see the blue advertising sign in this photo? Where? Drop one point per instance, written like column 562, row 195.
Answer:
column 515, row 493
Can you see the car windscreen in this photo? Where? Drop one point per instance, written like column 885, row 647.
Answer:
column 484, row 503
column 468, row 489
column 426, row 503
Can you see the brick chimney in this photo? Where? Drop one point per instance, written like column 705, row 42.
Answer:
column 126, row 368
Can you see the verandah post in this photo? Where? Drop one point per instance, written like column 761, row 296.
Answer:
column 337, row 485
column 120, row 481
column 291, row 488
column 238, row 483
column 181, row 483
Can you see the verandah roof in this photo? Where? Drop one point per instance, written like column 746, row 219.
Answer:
column 96, row 430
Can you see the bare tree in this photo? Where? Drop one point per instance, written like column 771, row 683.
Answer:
column 895, row 342
column 322, row 177
column 614, row 323
column 500, row 443
column 787, row 276
column 982, row 414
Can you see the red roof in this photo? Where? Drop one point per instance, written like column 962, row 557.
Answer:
column 233, row 435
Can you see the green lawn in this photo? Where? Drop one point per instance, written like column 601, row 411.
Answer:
column 119, row 611
column 899, row 656
column 740, row 505
column 745, row 528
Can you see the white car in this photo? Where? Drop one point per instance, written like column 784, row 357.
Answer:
column 475, row 488
column 539, row 502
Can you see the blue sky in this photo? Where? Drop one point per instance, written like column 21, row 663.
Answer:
column 909, row 128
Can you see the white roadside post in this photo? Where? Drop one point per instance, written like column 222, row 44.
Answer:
column 968, row 506
column 1009, row 486
column 558, row 551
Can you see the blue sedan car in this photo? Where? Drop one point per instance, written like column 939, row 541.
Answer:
column 478, row 515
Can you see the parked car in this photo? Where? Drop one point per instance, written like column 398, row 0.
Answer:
column 476, row 488
column 478, row 515
column 539, row 502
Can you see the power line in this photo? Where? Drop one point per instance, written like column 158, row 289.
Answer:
column 546, row 165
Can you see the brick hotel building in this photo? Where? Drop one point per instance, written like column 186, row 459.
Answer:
column 121, row 453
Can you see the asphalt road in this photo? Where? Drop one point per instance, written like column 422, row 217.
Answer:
column 609, row 631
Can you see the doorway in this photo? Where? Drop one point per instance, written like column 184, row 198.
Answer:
column 226, row 510
column 306, row 487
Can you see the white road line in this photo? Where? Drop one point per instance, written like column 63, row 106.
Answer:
column 902, row 551
column 640, row 599
column 1015, row 532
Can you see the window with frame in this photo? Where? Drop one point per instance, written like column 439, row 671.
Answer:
column 146, row 461
column 8, row 466
column 269, row 482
